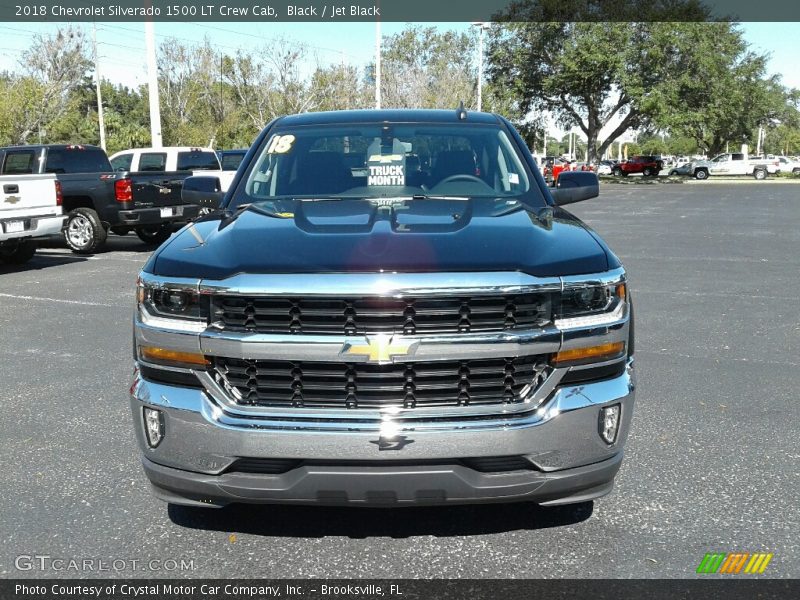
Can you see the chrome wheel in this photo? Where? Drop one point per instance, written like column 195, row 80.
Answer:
column 80, row 231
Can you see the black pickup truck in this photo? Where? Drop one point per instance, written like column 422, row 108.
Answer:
column 389, row 308
column 96, row 199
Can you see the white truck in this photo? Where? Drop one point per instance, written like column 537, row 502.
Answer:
column 730, row 163
column 30, row 208
column 200, row 161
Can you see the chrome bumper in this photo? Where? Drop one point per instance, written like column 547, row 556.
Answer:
column 35, row 227
column 201, row 437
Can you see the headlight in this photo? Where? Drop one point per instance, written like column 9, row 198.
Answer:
column 172, row 301
column 587, row 305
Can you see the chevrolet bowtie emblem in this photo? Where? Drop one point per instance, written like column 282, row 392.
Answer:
column 12, row 199
column 381, row 349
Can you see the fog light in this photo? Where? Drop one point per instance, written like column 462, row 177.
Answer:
column 153, row 426
column 609, row 423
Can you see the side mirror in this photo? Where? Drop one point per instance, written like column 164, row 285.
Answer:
column 575, row 186
column 202, row 190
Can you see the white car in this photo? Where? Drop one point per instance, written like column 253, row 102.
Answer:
column 787, row 165
column 200, row 161
column 603, row 169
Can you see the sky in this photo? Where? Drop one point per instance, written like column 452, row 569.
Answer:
column 121, row 46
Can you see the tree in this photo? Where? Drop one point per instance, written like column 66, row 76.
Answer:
column 52, row 68
column 338, row 87
column 622, row 76
column 576, row 71
column 422, row 67
column 717, row 92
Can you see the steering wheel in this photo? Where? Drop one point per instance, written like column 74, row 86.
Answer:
column 461, row 177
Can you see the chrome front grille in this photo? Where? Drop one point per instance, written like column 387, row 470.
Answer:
column 270, row 383
column 407, row 316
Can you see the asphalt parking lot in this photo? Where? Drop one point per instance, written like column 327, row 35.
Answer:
column 712, row 465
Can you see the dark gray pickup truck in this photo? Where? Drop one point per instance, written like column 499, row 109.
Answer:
column 390, row 308
column 96, row 199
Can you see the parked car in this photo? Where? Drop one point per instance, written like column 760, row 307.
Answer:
column 230, row 159
column 334, row 336
column 647, row 165
column 200, row 161
column 604, row 168
column 552, row 166
column 730, row 164
column 30, row 208
column 684, row 169
column 788, row 165
column 96, row 199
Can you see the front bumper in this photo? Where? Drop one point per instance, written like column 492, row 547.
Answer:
column 358, row 464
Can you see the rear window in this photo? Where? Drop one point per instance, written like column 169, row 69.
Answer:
column 122, row 162
column 197, row 161
column 20, row 162
column 77, row 160
column 153, row 161
column 231, row 161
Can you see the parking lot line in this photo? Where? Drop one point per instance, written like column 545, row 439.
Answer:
column 58, row 300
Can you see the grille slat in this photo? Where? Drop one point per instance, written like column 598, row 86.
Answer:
column 366, row 385
column 381, row 315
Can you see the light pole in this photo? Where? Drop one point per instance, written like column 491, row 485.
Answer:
column 377, row 63
column 482, row 26
column 100, row 119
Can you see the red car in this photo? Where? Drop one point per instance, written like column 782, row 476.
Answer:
column 646, row 165
column 552, row 167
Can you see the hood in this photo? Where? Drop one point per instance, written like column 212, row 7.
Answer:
column 366, row 236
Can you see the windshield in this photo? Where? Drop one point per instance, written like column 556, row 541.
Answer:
column 386, row 161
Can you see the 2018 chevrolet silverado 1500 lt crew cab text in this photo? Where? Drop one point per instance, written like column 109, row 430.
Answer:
column 390, row 308
column 30, row 208
column 97, row 199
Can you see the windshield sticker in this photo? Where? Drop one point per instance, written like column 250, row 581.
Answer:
column 386, row 175
column 280, row 144
column 513, row 178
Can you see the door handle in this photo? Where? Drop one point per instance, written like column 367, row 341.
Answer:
column 11, row 189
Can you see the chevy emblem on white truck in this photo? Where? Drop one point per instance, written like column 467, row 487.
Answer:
column 380, row 349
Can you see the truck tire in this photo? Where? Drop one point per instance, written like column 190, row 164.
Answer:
column 18, row 254
column 760, row 174
column 701, row 174
column 796, row 171
column 647, row 172
column 617, row 172
column 83, row 232
column 154, row 235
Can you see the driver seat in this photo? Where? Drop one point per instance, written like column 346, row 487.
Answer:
column 452, row 162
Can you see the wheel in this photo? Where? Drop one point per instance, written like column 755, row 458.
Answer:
column 617, row 172
column 625, row 173
column 673, row 172
column 121, row 230
column 84, row 233
column 18, row 253
column 647, row 172
column 154, row 234
column 701, row 174
column 760, row 174
column 796, row 171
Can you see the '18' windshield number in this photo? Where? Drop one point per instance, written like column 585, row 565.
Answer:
column 280, row 144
